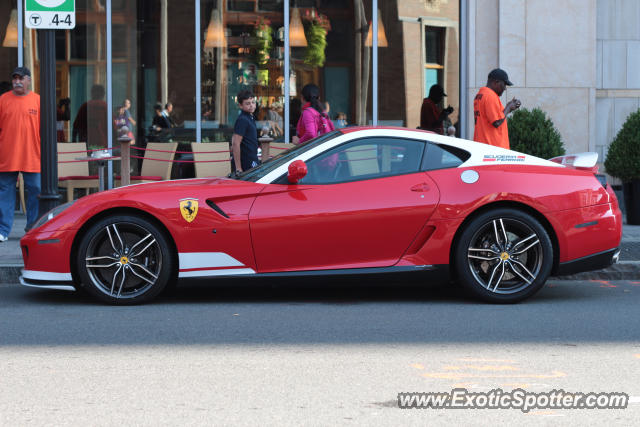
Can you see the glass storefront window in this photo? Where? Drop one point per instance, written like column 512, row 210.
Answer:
column 153, row 54
column 407, row 70
column 332, row 54
column 80, row 75
column 9, row 39
column 242, row 49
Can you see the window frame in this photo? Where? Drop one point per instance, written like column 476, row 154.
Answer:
column 361, row 141
column 455, row 151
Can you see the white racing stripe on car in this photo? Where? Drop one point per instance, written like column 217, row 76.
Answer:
column 481, row 154
column 221, row 272
column 210, row 264
column 46, row 275
column 207, row 260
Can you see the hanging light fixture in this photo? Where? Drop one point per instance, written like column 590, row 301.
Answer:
column 296, row 30
column 11, row 36
column 382, row 37
column 215, row 31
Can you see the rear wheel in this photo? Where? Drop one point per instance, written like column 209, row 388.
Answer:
column 124, row 259
column 504, row 255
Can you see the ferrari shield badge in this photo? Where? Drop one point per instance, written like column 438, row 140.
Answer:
column 189, row 208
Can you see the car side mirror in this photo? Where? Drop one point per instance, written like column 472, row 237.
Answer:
column 297, row 171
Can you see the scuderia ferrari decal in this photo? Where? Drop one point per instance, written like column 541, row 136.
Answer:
column 502, row 158
column 189, row 208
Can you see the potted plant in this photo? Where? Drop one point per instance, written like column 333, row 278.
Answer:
column 316, row 27
column 623, row 162
column 263, row 41
column 532, row 132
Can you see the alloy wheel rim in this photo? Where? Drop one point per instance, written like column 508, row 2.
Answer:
column 505, row 256
column 123, row 260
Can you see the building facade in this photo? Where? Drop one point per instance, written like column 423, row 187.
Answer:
column 575, row 59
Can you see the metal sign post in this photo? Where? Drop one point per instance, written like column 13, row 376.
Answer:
column 49, row 196
column 47, row 16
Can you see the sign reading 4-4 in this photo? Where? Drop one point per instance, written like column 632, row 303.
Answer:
column 50, row 14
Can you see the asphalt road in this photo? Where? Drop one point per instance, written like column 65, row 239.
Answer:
column 265, row 355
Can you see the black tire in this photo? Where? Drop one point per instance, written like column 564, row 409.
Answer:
column 503, row 256
column 124, row 260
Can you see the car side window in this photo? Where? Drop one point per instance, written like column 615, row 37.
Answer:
column 441, row 156
column 366, row 158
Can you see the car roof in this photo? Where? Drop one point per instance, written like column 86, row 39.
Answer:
column 350, row 129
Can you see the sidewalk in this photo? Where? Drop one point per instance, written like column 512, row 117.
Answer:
column 628, row 268
column 10, row 253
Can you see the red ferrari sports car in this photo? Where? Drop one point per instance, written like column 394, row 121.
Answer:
column 357, row 200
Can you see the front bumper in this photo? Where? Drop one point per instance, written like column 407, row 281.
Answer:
column 589, row 263
column 47, row 280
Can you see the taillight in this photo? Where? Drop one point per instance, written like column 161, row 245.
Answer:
column 613, row 199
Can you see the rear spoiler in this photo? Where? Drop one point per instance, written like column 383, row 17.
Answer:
column 584, row 161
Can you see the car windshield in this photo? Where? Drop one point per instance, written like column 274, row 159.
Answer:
column 260, row 171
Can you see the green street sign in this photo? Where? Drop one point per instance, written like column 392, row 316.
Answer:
column 50, row 14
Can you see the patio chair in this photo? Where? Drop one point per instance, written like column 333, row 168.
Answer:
column 279, row 147
column 75, row 174
column 363, row 160
column 154, row 170
column 215, row 158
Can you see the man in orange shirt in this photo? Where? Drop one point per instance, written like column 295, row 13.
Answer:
column 19, row 149
column 488, row 113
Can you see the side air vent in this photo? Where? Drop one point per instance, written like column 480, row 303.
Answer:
column 216, row 208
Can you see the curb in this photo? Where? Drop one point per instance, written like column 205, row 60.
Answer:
column 10, row 273
column 625, row 270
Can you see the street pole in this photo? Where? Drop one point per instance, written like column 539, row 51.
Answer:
column 49, row 197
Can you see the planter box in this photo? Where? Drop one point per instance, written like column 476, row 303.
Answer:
column 631, row 192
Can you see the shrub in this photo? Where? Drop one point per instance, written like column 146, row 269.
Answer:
column 623, row 157
column 531, row 132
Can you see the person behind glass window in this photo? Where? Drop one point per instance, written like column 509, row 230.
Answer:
column 432, row 116
column 168, row 113
column 127, row 111
column 160, row 124
column 90, row 124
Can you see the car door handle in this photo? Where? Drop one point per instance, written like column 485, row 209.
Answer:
column 423, row 186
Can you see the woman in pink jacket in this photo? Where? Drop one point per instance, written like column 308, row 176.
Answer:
column 313, row 121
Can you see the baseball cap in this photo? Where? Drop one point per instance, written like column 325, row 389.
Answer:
column 437, row 90
column 500, row 74
column 21, row 71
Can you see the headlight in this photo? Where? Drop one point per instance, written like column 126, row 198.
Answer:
column 53, row 212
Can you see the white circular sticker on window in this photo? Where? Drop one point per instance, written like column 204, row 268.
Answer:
column 50, row 3
column 469, row 176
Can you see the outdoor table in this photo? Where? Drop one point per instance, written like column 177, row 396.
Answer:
column 102, row 161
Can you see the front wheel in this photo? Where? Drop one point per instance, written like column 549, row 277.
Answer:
column 124, row 259
column 503, row 255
